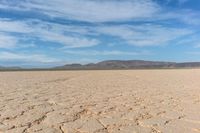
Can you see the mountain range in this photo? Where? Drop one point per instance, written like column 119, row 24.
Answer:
column 116, row 64
column 129, row 64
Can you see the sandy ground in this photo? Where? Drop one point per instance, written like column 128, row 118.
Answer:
column 137, row 101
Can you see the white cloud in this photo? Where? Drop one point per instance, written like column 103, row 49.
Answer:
column 7, row 41
column 104, row 10
column 138, row 35
column 105, row 52
column 68, row 41
column 45, row 31
column 192, row 40
column 56, row 33
column 188, row 17
column 93, row 11
column 191, row 18
column 14, row 26
column 26, row 33
column 90, row 10
column 9, row 56
column 145, row 35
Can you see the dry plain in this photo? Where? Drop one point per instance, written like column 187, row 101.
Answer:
column 121, row 101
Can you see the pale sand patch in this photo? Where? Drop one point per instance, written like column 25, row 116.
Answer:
column 132, row 101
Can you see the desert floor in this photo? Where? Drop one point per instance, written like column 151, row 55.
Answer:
column 130, row 101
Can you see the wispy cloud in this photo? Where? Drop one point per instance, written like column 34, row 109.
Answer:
column 10, row 56
column 68, row 41
column 103, row 10
column 44, row 31
column 105, row 53
column 14, row 26
column 89, row 27
column 88, row 10
column 145, row 35
column 138, row 35
column 7, row 41
column 192, row 40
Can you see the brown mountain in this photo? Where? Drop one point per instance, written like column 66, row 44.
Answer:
column 115, row 64
column 129, row 64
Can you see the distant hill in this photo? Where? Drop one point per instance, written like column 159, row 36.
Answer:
column 9, row 68
column 113, row 65
column 129, row 64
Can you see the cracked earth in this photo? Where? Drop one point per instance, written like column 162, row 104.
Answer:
column 131, row 101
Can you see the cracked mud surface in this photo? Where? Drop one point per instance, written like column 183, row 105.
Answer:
column 137, row 101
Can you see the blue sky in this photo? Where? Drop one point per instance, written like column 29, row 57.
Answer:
column 55, row 32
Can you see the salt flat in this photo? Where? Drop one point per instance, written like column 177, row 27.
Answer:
column 129, row 101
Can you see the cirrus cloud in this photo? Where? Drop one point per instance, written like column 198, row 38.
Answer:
column 89, row 10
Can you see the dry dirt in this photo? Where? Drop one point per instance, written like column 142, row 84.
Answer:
column 132, row 101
